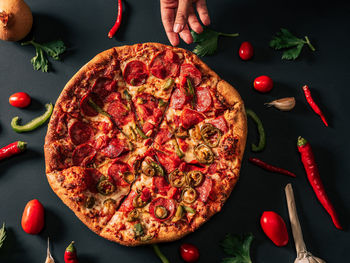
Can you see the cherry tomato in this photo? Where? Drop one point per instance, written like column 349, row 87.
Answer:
column 33, row 217
column 275, row 228
column 189, row 252
column 246, row 51
column 20, row 100
column 263, row 84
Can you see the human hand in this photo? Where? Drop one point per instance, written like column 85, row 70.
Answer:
column 178, row 16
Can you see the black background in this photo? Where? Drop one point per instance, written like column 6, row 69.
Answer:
column 83, row 25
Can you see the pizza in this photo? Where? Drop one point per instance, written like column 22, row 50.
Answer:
column 145, row 143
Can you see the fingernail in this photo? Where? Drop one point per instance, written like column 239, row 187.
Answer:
column 177, row 28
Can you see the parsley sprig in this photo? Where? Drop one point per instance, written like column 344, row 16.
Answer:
column 53, row 49
column 2, row 235
column 238, row 248
column 207, row 41
column 292, row 44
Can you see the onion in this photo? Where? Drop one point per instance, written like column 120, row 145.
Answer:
column 16, row 20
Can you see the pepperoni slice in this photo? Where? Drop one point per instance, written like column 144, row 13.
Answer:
column 165, row 64
column 160, row 185
column 116, row 171
column 146, row 106
column 204, row 190
column 169, row 160
column 190, row 71
column 178, row 99
column 80, row 132
column 120, row 112
column 204, row 100
column 127, row 206
column 220, row 123
column 163, row 136
column 104, row 86
column 83, row 155
column 135, row 73
column 85, row 107
column 190, row 117
column 115, row 148
column 174, row 193
column 168, row 204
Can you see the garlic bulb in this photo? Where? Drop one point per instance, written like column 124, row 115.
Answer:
column 303, row 256
column 49, row 258
column 284, row 104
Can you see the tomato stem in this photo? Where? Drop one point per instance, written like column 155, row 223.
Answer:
column 309, row 44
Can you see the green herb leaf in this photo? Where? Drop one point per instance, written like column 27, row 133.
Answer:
column 39, row 61
column 238, row 248
column 207, row 41
column 286, row 40
column 2, row 235
column 54, row 49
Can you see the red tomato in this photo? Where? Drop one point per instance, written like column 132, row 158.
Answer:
column 189, row 252
column 33, row 217
column 20, row 100
column 263, row 84
column 274, row 227
column 246, row 51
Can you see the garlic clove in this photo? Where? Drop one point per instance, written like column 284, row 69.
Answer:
column 284, row 104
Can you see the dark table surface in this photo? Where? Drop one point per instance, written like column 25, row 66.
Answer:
column 83, row 25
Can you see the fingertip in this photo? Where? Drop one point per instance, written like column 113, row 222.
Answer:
column 178, row 28
column 206, row 21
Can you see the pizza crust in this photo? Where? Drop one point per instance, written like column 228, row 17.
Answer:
column 229, row 94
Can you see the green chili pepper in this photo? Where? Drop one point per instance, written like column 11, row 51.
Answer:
column 140, row 132
column 192, row 92
column 178, row 150
column 158, row 168
column 127, row 95
column 189, row 209
column 33, row 124
column 138, row 230
column 168, row 84
column 98, row 108
column 159, row 253
column 262, row 139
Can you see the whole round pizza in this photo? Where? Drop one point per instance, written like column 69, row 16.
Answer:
column 145, row 143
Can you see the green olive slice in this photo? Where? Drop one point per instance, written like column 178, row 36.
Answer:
column 195, row 178
column 138, row 202
column 203, row 154
column 133, row 215
column 160, row 212
column 210, row 134
column 189, row 195
column 177, row 178
column 129, row 177
column 105, row 187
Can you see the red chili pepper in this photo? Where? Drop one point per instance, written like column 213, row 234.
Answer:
column 269, row 167
column 117, row 23
column 12, row 149
column 313, row 175
column 313, row 104
column 70, row 255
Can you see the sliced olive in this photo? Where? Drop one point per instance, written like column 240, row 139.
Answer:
column 160, row 212
column 133, row 215
column 178, row 214
column 210, row 134
column 138, row 202
column 181, row 133
column 177, row 178
column 105, row 187
column 138, row 230
column 129, row 177
column 194, row 178
column 90, row 202
column 189, row 195
column 203, row 154
column 168, row 84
